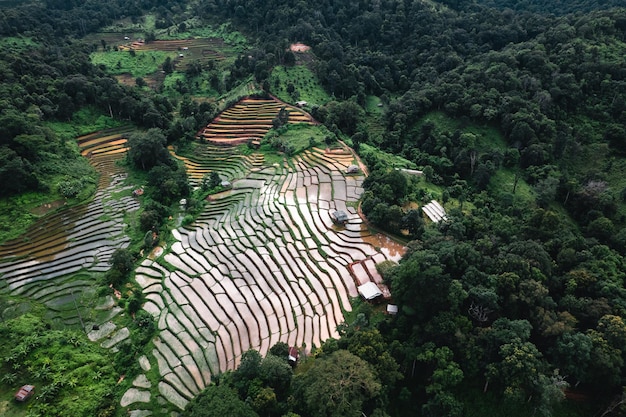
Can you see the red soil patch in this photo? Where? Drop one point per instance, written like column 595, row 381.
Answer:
column 299, row 47
column 390, row 247
column 153, row 81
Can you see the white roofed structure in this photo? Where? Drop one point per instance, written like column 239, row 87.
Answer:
column 435, row 211
column 369, row 291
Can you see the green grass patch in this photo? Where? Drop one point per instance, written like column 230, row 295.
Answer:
column 375, row 119
column 503, row 182
column 197, row 86
column 374, row 106
column 295, row 138
column 304, row 83
column 19, row 212
column 388, row 159
column 141, row 64
column 144, row 24
column 18, row 43
column 149, row 22
column 247, row 87
column 196, row 28
column 84, row 121
column 597, row 159
column 271, row 155
column 15, row 213
column 488, row 137
column 72, row 375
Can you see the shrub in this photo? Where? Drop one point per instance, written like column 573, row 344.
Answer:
column 70, row 188
column 187, row 220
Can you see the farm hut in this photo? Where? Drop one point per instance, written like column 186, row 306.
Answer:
column 352, row 169
column 392, row 309
column 369, row 291
column 24, row 393
column 181, row 55
column 226, row 184
column 301, row 103
column 339, row 217
column 293, row 355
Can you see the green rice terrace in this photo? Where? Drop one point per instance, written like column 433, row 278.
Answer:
column 262, row 263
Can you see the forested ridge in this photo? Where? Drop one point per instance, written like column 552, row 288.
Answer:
column 515, row 113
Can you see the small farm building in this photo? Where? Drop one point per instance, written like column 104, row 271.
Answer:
column 339, row 217
column 369, row 291
column 25, row 392
column 301, row 103
column 293, row 355
column 392, row 309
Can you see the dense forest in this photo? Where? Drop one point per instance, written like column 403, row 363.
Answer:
column 515, row 303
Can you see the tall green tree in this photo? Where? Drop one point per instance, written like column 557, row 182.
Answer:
column 147, row 149
column 218, row 401
column 338, row 385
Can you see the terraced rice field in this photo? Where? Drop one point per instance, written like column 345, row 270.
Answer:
column 55, row 260
column 263, row 263
column 249, row 120
column 103, row 149
column 225, row 160
column 203, row 50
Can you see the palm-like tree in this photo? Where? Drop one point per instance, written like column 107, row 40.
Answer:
column 9, row 378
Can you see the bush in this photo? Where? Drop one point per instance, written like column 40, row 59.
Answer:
column 70, row 188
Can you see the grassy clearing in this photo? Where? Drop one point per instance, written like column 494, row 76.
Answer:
column 374, row 106
column 20, row 43
column 84, row 121
column 62, row 364
column 304, row 82
column 141, row 64
column 488, row 136
column 298, row 137
column 375, row 124
column 149, row 22
column 126, row 25
column 17, row 213
column 503, row 182
column 246, row 88
column 195, row 28
column 388, row 159
column 598, row 159
column 198, row 86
